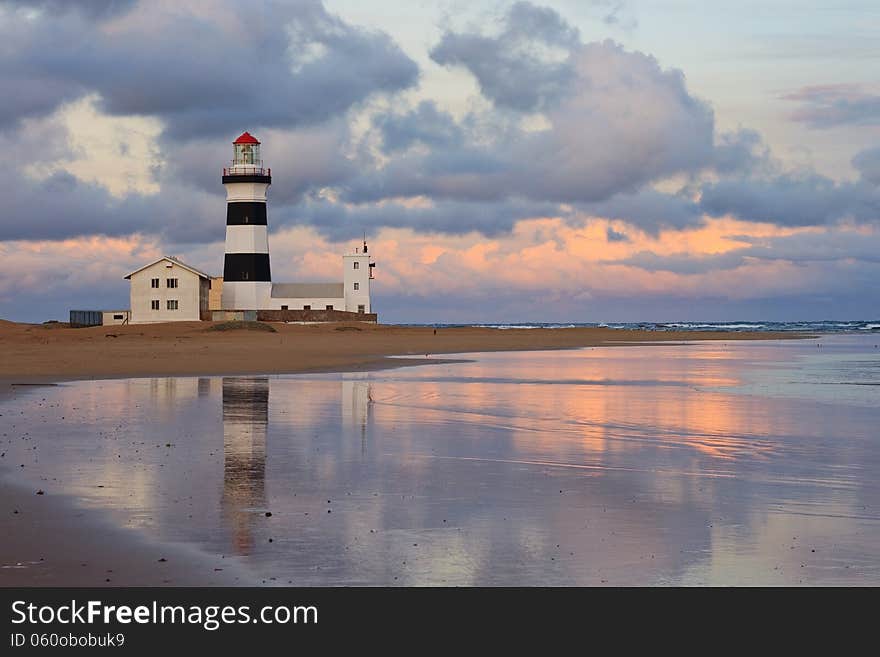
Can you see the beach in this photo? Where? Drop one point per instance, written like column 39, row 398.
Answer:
column 52, row 352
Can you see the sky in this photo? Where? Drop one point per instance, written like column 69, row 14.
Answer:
column 575, row 161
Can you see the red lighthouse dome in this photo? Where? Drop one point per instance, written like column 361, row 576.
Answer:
column 246, row 138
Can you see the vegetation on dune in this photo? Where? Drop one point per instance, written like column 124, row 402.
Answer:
column 243, row 326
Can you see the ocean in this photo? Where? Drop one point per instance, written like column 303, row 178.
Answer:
column 827, row 326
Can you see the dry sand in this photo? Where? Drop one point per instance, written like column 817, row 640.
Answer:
column 57, row 352
column 53, row 542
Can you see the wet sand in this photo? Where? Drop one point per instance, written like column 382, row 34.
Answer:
column 53, row 353
column 54, row 541
column 50, row 541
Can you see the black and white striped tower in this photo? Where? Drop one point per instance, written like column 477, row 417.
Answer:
column 247, row 281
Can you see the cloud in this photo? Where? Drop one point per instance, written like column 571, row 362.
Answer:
column 811, row 247
column 511, row 68
column 614, row 121
column 682, row 263
column 616, row 13
column 425, row 124
column 649, row 210
column 789, row 200
column 868, row 164
column 203, row 71
column 90, row 8
column 832, row 105
column 614, row 236
column 799, row 248
column 338, row 221
column 741, row 152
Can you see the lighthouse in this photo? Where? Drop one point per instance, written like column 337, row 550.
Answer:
column 247, row 280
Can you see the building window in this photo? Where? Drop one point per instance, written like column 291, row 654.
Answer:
column 356, row 264
column 171, row 304
column 170, row 282
column 362, row 309
column 118, row 317
column 329, row 307
column 154, row 282
column 283, row 307
column 357, row 286
column 307, row 307
column 154, row 304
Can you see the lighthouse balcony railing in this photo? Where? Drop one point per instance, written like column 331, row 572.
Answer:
column 244, row 170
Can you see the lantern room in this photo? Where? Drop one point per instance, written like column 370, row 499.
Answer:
column 247, row 163
column 246, row 151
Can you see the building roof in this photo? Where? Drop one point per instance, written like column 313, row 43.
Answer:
column 246, row 138
column 308, row 290
column 173, row 260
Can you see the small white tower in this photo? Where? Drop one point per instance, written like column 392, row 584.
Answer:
column 247, row 280
column 357, row 274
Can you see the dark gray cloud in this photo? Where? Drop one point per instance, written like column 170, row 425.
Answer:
column 828, row 106
column 339, row 222
column 650, row 211
column 740, row 152
column 92, row 8
column 281, row 64
column 838, row 246
column 682, row 263
column 615, row 236
column 868, row 164
column 789, row 200
column 62, row 206
column 424, row 124
column 510, row 67
column 801, row 249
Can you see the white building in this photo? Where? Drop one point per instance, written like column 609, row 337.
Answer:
column 168, row 290
column 352, row 295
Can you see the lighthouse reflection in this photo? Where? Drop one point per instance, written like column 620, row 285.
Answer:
column 245, row 423
column 245, row 438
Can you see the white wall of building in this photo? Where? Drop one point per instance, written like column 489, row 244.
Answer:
column 356, row 272
column 115, row 317
column 187, row 294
